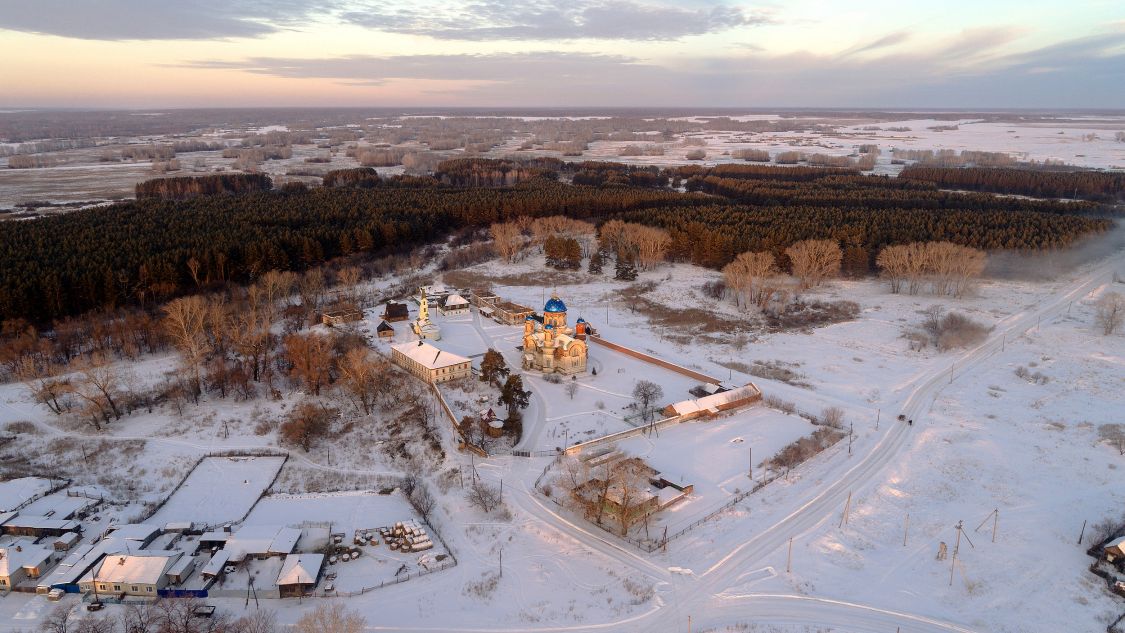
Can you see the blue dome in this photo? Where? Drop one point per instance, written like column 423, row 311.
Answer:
column 581, row 320
column 554, row 304
column 548, row 327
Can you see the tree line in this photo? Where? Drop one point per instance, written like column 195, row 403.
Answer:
column 1101, row 186
column 153, row 249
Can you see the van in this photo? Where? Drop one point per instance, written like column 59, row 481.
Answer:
column 55, row 594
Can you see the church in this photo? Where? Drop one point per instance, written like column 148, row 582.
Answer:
column 551, row 346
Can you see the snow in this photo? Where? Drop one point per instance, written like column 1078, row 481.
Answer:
column 428, row 356
column 220, row 490
column 147, row 569
column 983, row 439
column 300, row 568
column 16, row 492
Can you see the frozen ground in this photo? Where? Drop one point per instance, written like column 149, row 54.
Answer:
column 219, row 490
column 983, row 439
column 1084, row 141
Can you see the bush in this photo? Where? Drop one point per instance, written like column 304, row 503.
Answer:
column 804, row 449
column 953, row 330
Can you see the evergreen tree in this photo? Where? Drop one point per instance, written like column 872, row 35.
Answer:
column 626, row 268
column 493, row 369
column 513, row 396
column 597, row 260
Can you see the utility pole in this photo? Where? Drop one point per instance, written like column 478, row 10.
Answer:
column 751, row 463
column 878, row 414
column 502, row 561
column 789, row 561
column 906, row 529
column 951, row 373
column 1082, row 533
column 851, row 434
column 847, row 506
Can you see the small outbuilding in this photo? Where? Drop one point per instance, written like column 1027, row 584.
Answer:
column 385, row 330
column 299, row 574
column 1115, row 549
column 396, row 312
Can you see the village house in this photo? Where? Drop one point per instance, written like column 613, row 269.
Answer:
column 396, row 312
column 38, row 526
column 384, row 330
column 23, row 561
column 261, row 541
column 131, row 574
column 299, row 574
column 430, row 363
column 454, row 305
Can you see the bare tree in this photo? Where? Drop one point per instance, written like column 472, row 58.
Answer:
column 572, row 389
column 646, row 393
column 257, row 621
column 99, row 385
column 331, row 617
column 1110, row 312
column 310, row 359
column 58, row 620
column 814, row 261
column 349, row 279
column 185, row 321
column 360, row 375
column 45, row 389
column 422, row 500
column 485, row 497
column 894, row 262
column 507, row 239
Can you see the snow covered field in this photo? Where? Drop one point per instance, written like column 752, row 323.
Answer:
column 220, row 490
column 984, row 439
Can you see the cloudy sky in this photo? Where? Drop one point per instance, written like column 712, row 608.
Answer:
column 813, row 53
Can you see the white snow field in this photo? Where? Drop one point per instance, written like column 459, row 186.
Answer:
column 983, row 439
column 219, row 490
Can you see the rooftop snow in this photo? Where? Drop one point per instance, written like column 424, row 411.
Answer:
column 300, row 569
column 428, row 356
column 16, row 492
column 142, row 570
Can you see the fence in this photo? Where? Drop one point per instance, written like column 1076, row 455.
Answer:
column 648, row 358
column 620, row 435
column 651, row 546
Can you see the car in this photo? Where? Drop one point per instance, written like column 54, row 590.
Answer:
column 55, row 594
column 95, row 606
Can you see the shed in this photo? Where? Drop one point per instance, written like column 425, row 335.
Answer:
column 66, row 541
column 396, row 312
column 180, row 571
column 385, row 330
column 215, row 566
column 299, row 574
column 1115, row 549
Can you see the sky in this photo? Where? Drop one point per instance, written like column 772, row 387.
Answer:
column 563, row 53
